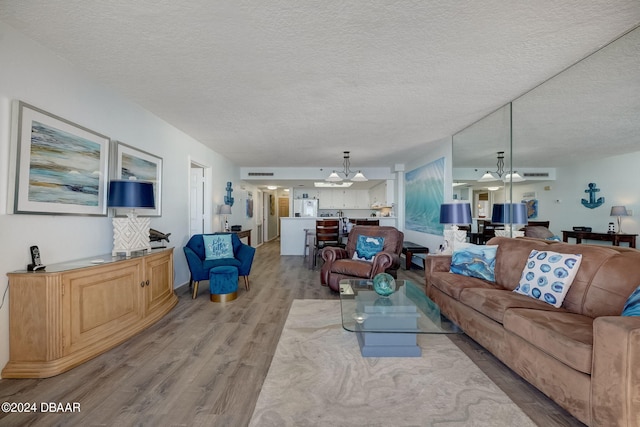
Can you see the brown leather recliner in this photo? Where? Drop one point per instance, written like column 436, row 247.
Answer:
column 339, row 263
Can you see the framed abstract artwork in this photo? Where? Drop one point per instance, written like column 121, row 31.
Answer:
column 132, row 163
column 60, row 168
column 424, row 193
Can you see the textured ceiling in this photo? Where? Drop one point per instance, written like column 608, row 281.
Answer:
column 289, row 82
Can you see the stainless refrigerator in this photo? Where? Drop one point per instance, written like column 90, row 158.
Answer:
column 305, row 207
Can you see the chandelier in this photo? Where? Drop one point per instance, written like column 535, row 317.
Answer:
column 497, row 174
column 334, row 177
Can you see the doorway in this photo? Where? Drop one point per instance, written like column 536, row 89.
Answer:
column 199, row 209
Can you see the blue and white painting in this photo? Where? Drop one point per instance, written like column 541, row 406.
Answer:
column 424, row 193
column 64, row 168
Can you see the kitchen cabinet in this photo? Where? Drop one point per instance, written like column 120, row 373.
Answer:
column 74, row 311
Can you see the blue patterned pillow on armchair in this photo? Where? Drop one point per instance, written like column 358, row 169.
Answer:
column 217, row 246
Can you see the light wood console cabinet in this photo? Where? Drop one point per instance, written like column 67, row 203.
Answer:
column 74, row 311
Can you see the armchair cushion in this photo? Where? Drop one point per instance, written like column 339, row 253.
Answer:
column 217, row 246
column 367, row 247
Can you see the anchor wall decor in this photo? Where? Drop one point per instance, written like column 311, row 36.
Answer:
column 592, row 203
column 228, row 200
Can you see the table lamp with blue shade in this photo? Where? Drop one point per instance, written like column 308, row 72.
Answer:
column 131, row 234
column 509, row 214
column 454, row 214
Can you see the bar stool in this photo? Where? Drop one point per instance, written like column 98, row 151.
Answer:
column 309, row 242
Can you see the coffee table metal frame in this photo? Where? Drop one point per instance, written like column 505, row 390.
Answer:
column 388, row 326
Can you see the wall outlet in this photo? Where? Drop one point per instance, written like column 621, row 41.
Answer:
column 629, row 212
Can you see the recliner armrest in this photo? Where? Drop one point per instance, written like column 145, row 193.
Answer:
column 383, row 261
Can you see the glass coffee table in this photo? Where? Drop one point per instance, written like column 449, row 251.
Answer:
column 388, row 326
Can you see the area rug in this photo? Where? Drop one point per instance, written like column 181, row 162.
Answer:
column 318, row 378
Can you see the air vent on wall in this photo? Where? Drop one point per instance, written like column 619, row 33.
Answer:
column 536, row 174
column 260, row 174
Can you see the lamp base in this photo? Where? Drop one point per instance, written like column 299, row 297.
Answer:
column 130, row 234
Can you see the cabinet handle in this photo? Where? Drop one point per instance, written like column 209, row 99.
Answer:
column 147, row 282
column 142, row 284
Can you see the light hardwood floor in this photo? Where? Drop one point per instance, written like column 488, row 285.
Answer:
column 204, row 363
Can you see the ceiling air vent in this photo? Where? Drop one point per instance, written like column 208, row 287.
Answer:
column 536, row 174
column 260, row 174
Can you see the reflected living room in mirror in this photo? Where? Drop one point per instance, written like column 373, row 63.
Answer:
column 578, row 128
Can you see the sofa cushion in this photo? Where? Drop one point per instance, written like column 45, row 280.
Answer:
column 217, row 246
column 548, row 276
column 568, row 337
column 537, row 232
column 632, row 306
column 493, row 303
column 474, row 261
column 454, row 284
column 367, row 247
column 512, row 256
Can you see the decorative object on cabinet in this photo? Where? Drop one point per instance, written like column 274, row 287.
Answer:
column 592, row 203
column 454, row 214
column 346, row 163
column 199, row 266
column 131, row 233
column 228, row 200
column 132, row 163
column 511, row 215
column 59, row 167
column 80, row 309
column 226, row 211
column 619, row 211
column 158, row 236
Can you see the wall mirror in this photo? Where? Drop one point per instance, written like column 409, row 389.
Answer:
column 581, row 126
column 475, row 152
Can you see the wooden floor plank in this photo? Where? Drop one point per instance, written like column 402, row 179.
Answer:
column 204, row 363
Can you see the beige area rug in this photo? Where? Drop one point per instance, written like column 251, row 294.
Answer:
column 318, row 378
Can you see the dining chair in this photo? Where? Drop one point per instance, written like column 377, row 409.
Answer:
column 327, row 234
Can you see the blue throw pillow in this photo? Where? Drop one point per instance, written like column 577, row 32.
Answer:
column 367, row 247
column 217, row 246
column 474, row 261
column 632, row 306
column 548, row 276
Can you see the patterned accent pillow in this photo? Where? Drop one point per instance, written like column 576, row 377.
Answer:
column 367, row 247
column 474, row 261
column 217, row 246
column 632, row 306
column 548, row 276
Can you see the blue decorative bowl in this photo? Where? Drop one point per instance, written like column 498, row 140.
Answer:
column 384, row 284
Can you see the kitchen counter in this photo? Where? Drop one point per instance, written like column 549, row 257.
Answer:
column 292, row 231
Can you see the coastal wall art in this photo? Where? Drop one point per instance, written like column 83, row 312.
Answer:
column 59, row 167
column 132, row 163
column 424, row 193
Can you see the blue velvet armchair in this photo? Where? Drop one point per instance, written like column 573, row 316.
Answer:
column 199, row 266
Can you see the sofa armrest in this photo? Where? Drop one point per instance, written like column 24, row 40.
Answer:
column 435, row 264
column 615, row 377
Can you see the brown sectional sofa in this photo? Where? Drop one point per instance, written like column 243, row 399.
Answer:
column 583, row 355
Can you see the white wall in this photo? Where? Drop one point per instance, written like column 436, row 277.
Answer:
column 617, row 178
column 35, row 75
column 431, row 151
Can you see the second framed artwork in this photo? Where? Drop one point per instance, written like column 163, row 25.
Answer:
column 131, row 163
